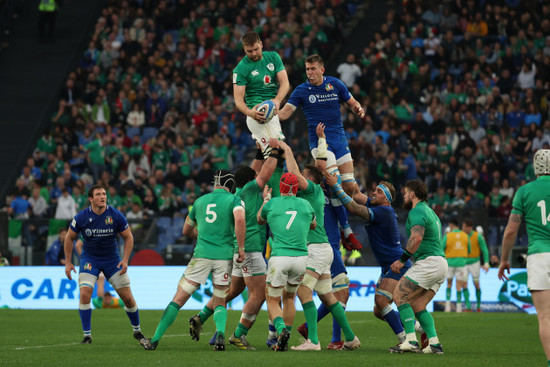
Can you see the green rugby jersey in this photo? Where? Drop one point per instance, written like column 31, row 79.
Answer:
column 289, row 218
column 250, row 194
column 532, row 201
column 259, row 77
column 423, row 215
column 213, row 215
column 316, row 197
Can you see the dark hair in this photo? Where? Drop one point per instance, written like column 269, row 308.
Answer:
column 469, row 223
column 243, row 176
column 315, row 58
column 250, row 38
column 315, row 173
column 419, row 188
column 453, row 221
column 95, row 187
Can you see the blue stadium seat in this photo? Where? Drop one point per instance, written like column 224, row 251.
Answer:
column 148, row 133
column 132, row 131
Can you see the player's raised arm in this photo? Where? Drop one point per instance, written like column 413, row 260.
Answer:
column 292, row 166
column 267, row 196
column 240, row 231
column 287, row 111
column 270, row 163
column 355, row 208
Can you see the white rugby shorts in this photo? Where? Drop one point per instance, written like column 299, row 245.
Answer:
column 199, row 269
column 253, row 264
column 538, row 271
column 319, row 258
column 283, row 270
column 263, row 132
column 429, row 273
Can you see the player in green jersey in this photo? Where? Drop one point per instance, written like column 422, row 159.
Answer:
column 290, row 219
column 477, row 246
column 422, row 281
column 215, row 220
column 532, row 201
column 258, row 77
column 251, row 273
column 320, row 256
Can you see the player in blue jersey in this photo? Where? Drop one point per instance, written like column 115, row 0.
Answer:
column 99, row 225
column 320, row 97
column 383, row 231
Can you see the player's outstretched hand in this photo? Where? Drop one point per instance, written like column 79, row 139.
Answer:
column 69, row 267
column 359, row 110
column 330, row 179
column 242, row 256
column 267, row 193
column 258, row 116
column 277, row 106
column 284, row 146
column 396, row 266
column 504, row 266
column 320, row 130
column 486, row 267
column 124, row 265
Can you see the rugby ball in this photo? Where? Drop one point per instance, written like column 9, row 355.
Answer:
column 268, row 109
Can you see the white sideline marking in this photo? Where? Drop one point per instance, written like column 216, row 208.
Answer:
column 69, row 344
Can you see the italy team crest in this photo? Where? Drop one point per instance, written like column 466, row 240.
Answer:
column 88, row 266
column 109, row 220
column 329, row 87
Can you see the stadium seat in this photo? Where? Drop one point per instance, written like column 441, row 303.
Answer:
column 132, row 131
column 148, row 133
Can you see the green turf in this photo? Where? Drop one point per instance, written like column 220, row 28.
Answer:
column 43, row 338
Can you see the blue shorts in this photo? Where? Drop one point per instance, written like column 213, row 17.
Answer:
column 93, row 265
column 337, row 266
column 388, row 273
column 336, row 143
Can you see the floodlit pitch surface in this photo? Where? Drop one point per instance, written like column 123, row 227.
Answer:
column 44, row 338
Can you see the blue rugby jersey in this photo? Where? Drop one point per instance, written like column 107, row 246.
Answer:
column 383, row 233
column 99, row 232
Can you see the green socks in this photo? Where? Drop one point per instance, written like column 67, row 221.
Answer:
column 220, row 318
column 279, row 324
column 448, row 294
column 339, row 314
column 427, row 322
column 406, row 314
column 241, row 330
column 168, row 317
column 458, row 296
column 467, row 298
column 206, row 313
column 478, row 298
column 311, row 318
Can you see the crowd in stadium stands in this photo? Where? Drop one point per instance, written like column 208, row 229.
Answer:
column 457, row 93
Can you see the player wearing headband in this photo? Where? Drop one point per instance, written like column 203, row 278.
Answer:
column 216, row 219
column 383, row 231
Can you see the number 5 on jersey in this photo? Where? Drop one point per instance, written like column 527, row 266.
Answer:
column 211, row 212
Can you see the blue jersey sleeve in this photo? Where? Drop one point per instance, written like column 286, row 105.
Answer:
column 75, row 226
column 295, row 98
column 121, row 223
column 343, row 92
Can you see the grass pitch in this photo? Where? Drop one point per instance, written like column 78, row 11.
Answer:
column 51, row 338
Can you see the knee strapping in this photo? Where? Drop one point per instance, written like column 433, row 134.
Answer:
column 187, row 287
column 274, row 292
column 220, row 293
column 309, row 281
column 387, row 310
column 131, row 309
column 384, row 293
column 339, row 282
column 248, row 316
column 120, row 281
column 291, row 289
column 86, row 279
column 84, row 306
column 323, row 286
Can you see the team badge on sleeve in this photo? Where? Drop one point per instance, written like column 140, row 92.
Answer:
column 73, row 223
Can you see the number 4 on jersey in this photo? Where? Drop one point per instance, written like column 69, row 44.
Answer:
column 545, row 219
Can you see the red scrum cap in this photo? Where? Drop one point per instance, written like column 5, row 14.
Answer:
column 288, row 184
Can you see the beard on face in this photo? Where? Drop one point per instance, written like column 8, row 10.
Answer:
column 407, row 205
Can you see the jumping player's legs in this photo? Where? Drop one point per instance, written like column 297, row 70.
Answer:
column 263, row 132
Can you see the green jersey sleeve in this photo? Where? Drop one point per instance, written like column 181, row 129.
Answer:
column 517, row 203
column 278, row 63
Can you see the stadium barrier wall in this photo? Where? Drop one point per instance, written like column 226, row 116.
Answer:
column 40, row 287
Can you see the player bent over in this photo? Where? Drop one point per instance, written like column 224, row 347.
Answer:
column 290, row 218
column 99, row 225
column 215, row 220
column 320, row 256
